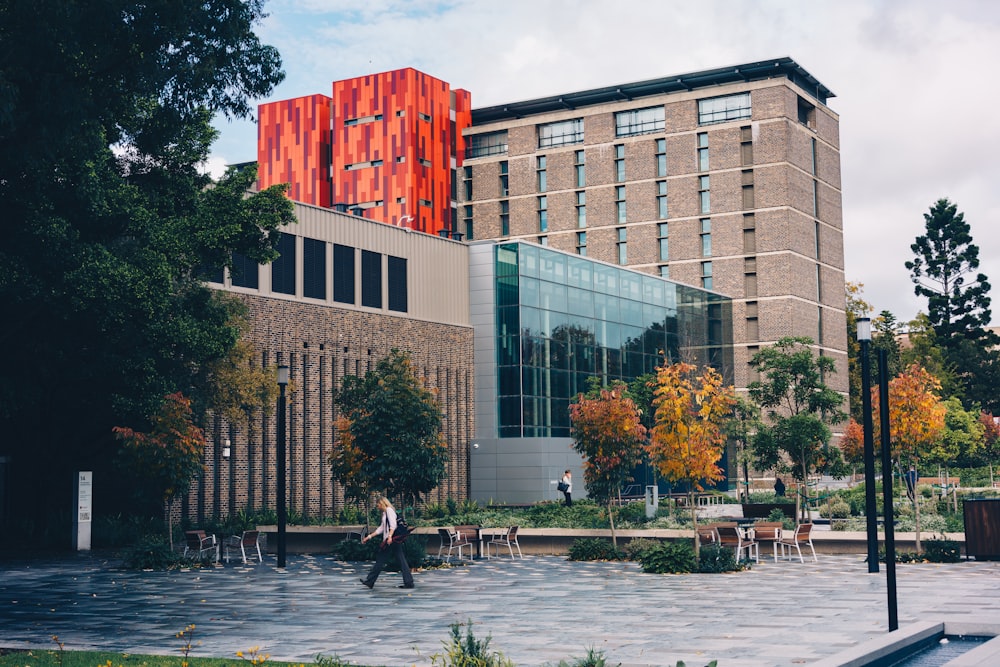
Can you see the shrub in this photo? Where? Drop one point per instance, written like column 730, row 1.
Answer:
column 354, row 550
column 713, row 558
column 838, row 509
column 415, row 548
column 942, row 551
column 778, row 515
column 670, row 558
column 453, row 506
column 468, row 651
column 594, row 549
column 634, row 512
column 635, row 548
column 152, row 554
column 435, row 511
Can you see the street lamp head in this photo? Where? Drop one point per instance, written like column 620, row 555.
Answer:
column 864, row 329
column 282, row 375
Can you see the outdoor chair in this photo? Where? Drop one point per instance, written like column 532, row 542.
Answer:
column 732, row 536
column 802, row 536
column 768, row 531
column 453, row 541
column 245, row 544
column 199, row 544
column 507, row 538
column 707, row 534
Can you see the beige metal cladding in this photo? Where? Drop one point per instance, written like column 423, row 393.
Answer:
column 437, row 268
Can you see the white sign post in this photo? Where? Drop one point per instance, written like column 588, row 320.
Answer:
column 84, row 510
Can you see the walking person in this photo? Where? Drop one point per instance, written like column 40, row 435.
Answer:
column 389, row 546
column 566, row 486
column 779, row 488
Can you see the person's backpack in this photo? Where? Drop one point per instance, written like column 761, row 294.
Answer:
column 402, row 531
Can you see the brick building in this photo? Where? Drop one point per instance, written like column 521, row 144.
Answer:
column 726, row 179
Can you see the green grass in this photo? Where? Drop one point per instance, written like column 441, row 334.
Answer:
column 57, row 658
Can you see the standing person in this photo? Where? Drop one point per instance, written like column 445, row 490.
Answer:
column 567, row 481
column 779, row 488
column 386, row 528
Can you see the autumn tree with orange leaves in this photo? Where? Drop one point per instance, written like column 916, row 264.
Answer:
column 607, row 430
column 916, row 421
column 852, row 443
column 689, row 431
column 169, row 457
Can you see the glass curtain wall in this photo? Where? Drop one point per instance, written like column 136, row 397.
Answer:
column 562, row 319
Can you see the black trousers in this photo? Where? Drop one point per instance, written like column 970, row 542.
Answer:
column 395, row 548
column 569, row 498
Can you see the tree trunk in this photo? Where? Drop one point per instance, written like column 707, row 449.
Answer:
column 168, row 519
column 694, row 522
column 611, row 520
column 916, row 520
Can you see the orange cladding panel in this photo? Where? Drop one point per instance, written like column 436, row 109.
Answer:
column 293, row 145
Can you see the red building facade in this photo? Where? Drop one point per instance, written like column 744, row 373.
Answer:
column 386, row 146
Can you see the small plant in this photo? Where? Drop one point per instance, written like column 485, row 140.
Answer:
column 253, row 656
column 187, row 634
column 594, row 549
column 594, row 658
column 714, row 663
column 330, row 661
column 670, row 558
column 468, row 651
column 152, row 554
column 452, row 505
column 777, row 515
column 838, row 509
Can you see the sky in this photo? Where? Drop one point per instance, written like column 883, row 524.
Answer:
column 911, row 79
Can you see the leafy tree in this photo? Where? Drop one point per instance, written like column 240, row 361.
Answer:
column 991, row 440
column 960, row 443
column 169, row 456
column 742, row 428
column 688, row 437
column 607, row 430
column 925, row 351
column 105, row 111
column 395, row 424
column 799, row 408
column 916, row 421
column 857, row 308
column 852, row 443
column 347, row 463
column 945, row 271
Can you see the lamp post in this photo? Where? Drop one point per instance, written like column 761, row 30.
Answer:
column 281, row 494
column 865, row 339
column 887, row 495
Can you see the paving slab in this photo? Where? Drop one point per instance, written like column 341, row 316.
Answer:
column 538, row 610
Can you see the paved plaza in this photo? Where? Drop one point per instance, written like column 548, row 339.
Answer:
column 539, row 610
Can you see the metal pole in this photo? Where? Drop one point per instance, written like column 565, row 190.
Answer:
column 871, row 511
column 281, row 493
column 887, row 498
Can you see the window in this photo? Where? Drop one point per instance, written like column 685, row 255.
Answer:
column 639, row 121
column 816, row 239
column 662, row 231
column 363, row 120
column 362, row 165
column 749, row 240
column 371, row 279
column 504, row 179
column 706, row 275
column 343, row 274
column 467, row 220
column 723, row 109
column 750, row 277
column 819, row 325
column 505, row 218
column 664, row 271
column 704, row 185
column 245, row 272
column 746, row 146
column 620, row 202
column 812, row 155
column 581, row 243
column 562, row 133
column 753, row 329
column 661, row 199
column 706, row 237
column 543, row 214
column 620, row 163
column 423, row 116
column 313, row 268
column 748, row 196
column 424, row 202
column 396, row 277
column 580, row 166
column 424, row 162
column 283, row 268
column 488, row 143
column 581, row 208
column 661, row 157
column 807, row 113
column 467, row 182
column 703, row 151
column 541, row 172
column 815, row 198
column 543, row 240
column 622, row 249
